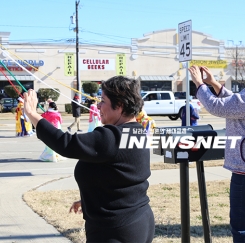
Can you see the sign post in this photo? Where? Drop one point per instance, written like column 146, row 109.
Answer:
column 185, row 55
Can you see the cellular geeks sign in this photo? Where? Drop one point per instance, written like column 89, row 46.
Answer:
column 97, row 64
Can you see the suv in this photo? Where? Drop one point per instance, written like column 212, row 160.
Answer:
column 6, row 104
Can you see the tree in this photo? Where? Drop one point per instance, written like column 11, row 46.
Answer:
column 90, row 87
column 46, row 93
column 11, row 92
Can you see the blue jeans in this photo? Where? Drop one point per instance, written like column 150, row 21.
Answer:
column 237, row 207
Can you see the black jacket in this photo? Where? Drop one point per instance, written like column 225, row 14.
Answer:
column 76, row 109
column 112, row 181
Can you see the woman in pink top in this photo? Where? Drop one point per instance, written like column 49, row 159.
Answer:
column 53, row 116
column 94, row 116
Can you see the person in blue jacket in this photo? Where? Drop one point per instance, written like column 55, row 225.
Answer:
column 193, row 116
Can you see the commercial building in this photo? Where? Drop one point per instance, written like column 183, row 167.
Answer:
column 152, row 59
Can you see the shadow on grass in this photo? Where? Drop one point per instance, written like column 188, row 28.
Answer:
column 174, row 231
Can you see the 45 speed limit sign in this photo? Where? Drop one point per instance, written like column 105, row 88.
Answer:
column 185, row 41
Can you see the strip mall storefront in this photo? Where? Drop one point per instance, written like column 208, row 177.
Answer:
column 152, row 59
column 11, row 73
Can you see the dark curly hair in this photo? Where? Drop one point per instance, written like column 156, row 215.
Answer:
column 125, row 92
column 53, row 106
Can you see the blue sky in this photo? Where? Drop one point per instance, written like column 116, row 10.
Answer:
column 114, row 21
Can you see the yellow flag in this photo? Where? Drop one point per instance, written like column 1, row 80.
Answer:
column 69, row 64
column 121, row 64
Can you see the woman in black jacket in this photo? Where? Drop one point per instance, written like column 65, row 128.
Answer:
column 112, row 171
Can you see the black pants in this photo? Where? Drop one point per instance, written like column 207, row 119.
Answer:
column 140, row 231
column 237, row 207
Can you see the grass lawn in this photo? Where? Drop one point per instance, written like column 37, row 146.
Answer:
column 53, row 206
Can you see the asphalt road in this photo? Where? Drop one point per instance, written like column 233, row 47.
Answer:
column 7, row 121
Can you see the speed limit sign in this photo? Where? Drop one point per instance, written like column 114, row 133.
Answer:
column 185, row 41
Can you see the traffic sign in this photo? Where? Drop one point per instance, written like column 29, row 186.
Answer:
column 185, row 41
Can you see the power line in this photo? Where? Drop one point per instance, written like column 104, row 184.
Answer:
column 33, row 26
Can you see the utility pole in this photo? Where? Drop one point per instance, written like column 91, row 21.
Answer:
column 77, row 50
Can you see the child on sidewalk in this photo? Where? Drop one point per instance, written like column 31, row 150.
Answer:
column 94, row 116
column 54, row 117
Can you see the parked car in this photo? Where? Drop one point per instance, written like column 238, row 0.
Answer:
column 6, row 104
column 164, row 103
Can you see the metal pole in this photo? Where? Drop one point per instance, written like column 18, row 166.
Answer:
column 187, row 95
column 185, row 202
column 236, row 63
column 77, row 50
column 203, row 202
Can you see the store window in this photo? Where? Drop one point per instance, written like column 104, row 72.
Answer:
column 237, row 86
column 26, row 84
column 156, row 85
column 193, row 89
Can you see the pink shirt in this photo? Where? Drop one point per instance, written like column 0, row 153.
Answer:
column 53, row 117
column 93, row 112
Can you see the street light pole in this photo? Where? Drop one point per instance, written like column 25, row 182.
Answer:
column 77, row 50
